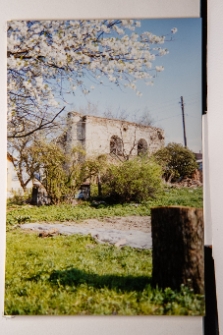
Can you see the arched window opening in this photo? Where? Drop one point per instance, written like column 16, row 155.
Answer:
column 142, row 147
column 116, row 145
column 160, row 135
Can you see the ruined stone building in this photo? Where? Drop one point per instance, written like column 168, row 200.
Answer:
column 98, row 135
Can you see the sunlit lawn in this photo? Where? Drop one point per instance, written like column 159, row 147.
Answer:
column 74, row 275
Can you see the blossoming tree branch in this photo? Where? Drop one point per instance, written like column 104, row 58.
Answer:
column 47, row 59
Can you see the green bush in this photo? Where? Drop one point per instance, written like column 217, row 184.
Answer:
column 61, row 172
column 176, row 161
column 134, row 180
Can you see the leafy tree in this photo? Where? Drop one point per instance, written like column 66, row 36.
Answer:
column 61, row 174
column 48, row 58
column 22, row 161
column 176, row 161
column 133, row 180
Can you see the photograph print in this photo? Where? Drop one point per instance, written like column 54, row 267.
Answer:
column 104, row 168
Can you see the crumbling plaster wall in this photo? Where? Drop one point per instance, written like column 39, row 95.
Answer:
column 94, row 135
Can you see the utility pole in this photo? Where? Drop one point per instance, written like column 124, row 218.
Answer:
column 183, row 119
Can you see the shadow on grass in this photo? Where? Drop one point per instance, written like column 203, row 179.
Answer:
column 75, row 277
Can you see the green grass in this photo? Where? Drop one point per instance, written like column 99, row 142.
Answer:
column 20, row 214
column 75, row 275
column 179, row 197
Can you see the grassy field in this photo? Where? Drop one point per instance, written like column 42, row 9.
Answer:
column 74, row 275
column 17, row 214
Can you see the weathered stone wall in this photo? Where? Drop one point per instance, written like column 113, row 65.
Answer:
column 94, row 134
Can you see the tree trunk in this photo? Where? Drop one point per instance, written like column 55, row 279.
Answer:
column 39, row 194
column 99, row 185
column 178, row 250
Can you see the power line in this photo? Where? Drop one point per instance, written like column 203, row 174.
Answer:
column 193, row 95
column 167, row 118
column 168, row 108
column 168, row 105
column 195, row 117
column 191, row 103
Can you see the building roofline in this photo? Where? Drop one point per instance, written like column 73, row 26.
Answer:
column 113, row 119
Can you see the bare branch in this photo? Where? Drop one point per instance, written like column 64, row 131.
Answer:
column 41, row 126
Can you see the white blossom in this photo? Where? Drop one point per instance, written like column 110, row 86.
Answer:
column 174, row 30
column 159, row 68
column 44, row 54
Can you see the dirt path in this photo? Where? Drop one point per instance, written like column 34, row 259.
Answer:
column 134, row 231
column 140, row 223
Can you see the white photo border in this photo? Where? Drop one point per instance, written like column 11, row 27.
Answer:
column 46, row 9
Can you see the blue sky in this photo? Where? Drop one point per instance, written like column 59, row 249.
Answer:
column 181, row 77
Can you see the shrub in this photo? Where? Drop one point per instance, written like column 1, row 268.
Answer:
column 61, row 173
column 133, row 180
column 93, row 169
column 176, row 161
